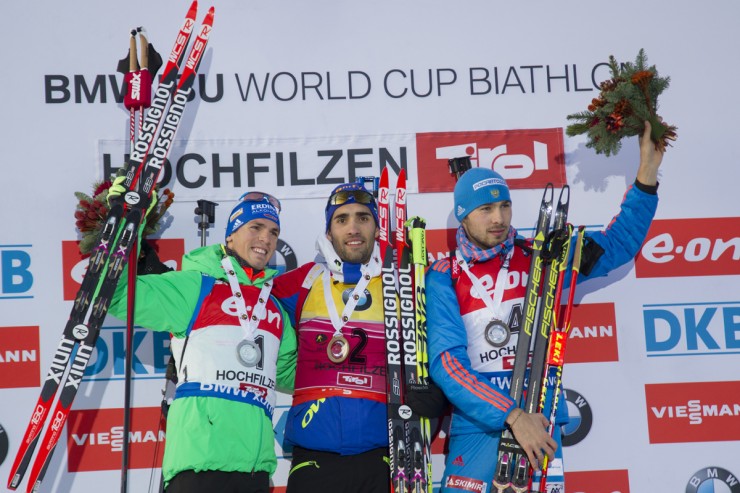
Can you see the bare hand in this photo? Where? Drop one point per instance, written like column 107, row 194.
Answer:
column 530, row 431
column 650, row 158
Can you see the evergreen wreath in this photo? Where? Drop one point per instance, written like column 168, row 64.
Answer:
column 626, row 100
column 91, row 212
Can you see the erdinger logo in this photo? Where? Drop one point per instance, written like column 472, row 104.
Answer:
column 527, row 158
column 712, row 479
column 581, row 418
column 690, row 247
column 284, row 259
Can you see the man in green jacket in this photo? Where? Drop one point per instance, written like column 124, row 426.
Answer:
column 233, row 345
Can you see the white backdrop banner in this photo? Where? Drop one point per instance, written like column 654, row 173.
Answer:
column 295, row 97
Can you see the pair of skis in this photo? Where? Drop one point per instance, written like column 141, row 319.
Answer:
column 409, row 436
column 548, row 265
column 111, row 253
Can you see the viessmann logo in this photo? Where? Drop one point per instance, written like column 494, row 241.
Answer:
column 693, row 412
column 612, row 481
column 690, row 247
column 528, row 158
column 74, row 264
column 95, row 439
column 19, row 357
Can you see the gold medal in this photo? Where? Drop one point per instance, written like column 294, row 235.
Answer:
column 497, row 333
column 338, row 349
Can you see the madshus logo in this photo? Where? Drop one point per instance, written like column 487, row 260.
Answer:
column 284, row 258
column 580, row 418
column 713, row 479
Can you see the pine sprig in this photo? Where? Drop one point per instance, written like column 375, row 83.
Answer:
column 625, row 102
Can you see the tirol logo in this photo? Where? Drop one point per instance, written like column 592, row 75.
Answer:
column 19, row 357
column 580, row 418
column 95, row 439
column 711, row 479
column 529, row 158
column 692, row 329
column 74, row 264
column 690, row 247
column 693, row 412
column 611, row 481
column 593, row 334
column 352, row 379
column 284, row 259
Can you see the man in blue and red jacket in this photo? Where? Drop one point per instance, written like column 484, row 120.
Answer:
column 337, row 423
column 457, row 316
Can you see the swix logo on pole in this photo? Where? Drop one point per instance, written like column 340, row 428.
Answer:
column 525, row 158
column 136, row 85
column 690, row 247
column 693, row 412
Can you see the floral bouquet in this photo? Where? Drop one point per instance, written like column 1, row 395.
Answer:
column 626, row 100
column 91, row 213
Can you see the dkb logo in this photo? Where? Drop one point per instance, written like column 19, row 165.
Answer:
column 16, row 279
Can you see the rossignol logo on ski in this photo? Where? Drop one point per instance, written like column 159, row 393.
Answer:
column 110, row 255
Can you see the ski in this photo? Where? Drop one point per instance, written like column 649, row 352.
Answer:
column 420, row 436
column 110, row 256
column 558, row 339
column 508, row 446
column 396, row 428
column 554, row 253
column 415, row 456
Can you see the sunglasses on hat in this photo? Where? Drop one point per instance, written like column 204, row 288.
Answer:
column 359, row 196
column 260, row 197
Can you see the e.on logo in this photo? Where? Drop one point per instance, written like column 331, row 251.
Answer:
column 690, row 247
column 74, row 264
column 529, row 158
column 614, row 481
column 19, row 357
column 693, row 412
column 95, row 439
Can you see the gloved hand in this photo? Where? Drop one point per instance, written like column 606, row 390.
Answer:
column 426, row 400
column 117, row 189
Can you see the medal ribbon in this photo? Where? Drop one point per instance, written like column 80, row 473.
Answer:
column 493, row 304
column 354, row 297
column 249, row 324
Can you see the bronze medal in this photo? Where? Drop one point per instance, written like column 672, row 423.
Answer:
column 338, row 349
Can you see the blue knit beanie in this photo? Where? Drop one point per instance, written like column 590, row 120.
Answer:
column 244, row 212
column 349, row 198
column 476, row 187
